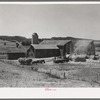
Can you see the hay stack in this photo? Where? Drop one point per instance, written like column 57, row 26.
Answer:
column 53, row 72
column 79, row 58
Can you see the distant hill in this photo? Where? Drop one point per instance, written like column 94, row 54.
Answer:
column 27, row 41
column 13, row 38
column 68, row 38
column 62, row 38
column 23, row 40
column 74, row 40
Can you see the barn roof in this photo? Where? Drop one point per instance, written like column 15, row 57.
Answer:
column 40, row 46
column 55, row 42
column 16, row 50
column 50, row 44
column 12, row 50
column 3, row 50
column 8, row 43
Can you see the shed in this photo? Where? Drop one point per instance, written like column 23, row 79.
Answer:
column 12, row 53
column 15, row 53
column 97, row 47
column 8, row 50
column 85, row 47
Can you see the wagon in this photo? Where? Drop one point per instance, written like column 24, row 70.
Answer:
column 38, row 61
column 59, row 60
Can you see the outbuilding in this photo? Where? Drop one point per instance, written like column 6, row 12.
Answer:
column 97, row 47
column 84, row 47
column 42, row 51
column 9, row 50
column 15, row 53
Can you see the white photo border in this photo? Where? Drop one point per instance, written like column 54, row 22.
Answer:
column 40, row 92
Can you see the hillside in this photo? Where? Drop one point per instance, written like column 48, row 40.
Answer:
column 20, row 38
column 27, row 41
column 97, row 42
column 68, row 38
column 23, row 40
column 14, row 38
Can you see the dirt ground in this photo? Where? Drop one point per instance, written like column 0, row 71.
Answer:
column 15, row 76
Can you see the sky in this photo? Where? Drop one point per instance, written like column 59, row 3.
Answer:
column 50, row 20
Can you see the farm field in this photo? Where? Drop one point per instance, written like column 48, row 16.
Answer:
column 85, row 74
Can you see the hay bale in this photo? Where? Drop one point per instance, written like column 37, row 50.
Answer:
column 53, row 72
column 62, row 74
column 58, row 74
column 60, row 61
column 79, row 58
column 42, row 70
column 38, row 61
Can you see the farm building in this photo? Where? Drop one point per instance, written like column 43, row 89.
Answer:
column 9, row 50
column 50, row 48
column 42, row 51
column 97, row 47
column 84, row 47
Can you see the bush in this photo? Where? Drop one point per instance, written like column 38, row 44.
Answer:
column 26, row 42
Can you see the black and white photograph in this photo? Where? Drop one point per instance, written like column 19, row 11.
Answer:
column 50, row 46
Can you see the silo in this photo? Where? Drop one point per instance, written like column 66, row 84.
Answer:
column 35, row 38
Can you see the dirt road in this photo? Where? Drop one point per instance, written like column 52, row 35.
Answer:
column 13, row 76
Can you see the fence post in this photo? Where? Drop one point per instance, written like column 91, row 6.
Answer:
column 78, row 76
column 97, row 77
column 64, row 75
column 50, row 71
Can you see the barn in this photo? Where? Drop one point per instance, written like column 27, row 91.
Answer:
column 42, row 51
column 84, row 47
column 9, row 50
column 50, row 48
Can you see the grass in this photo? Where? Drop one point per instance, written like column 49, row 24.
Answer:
column 88, row 72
